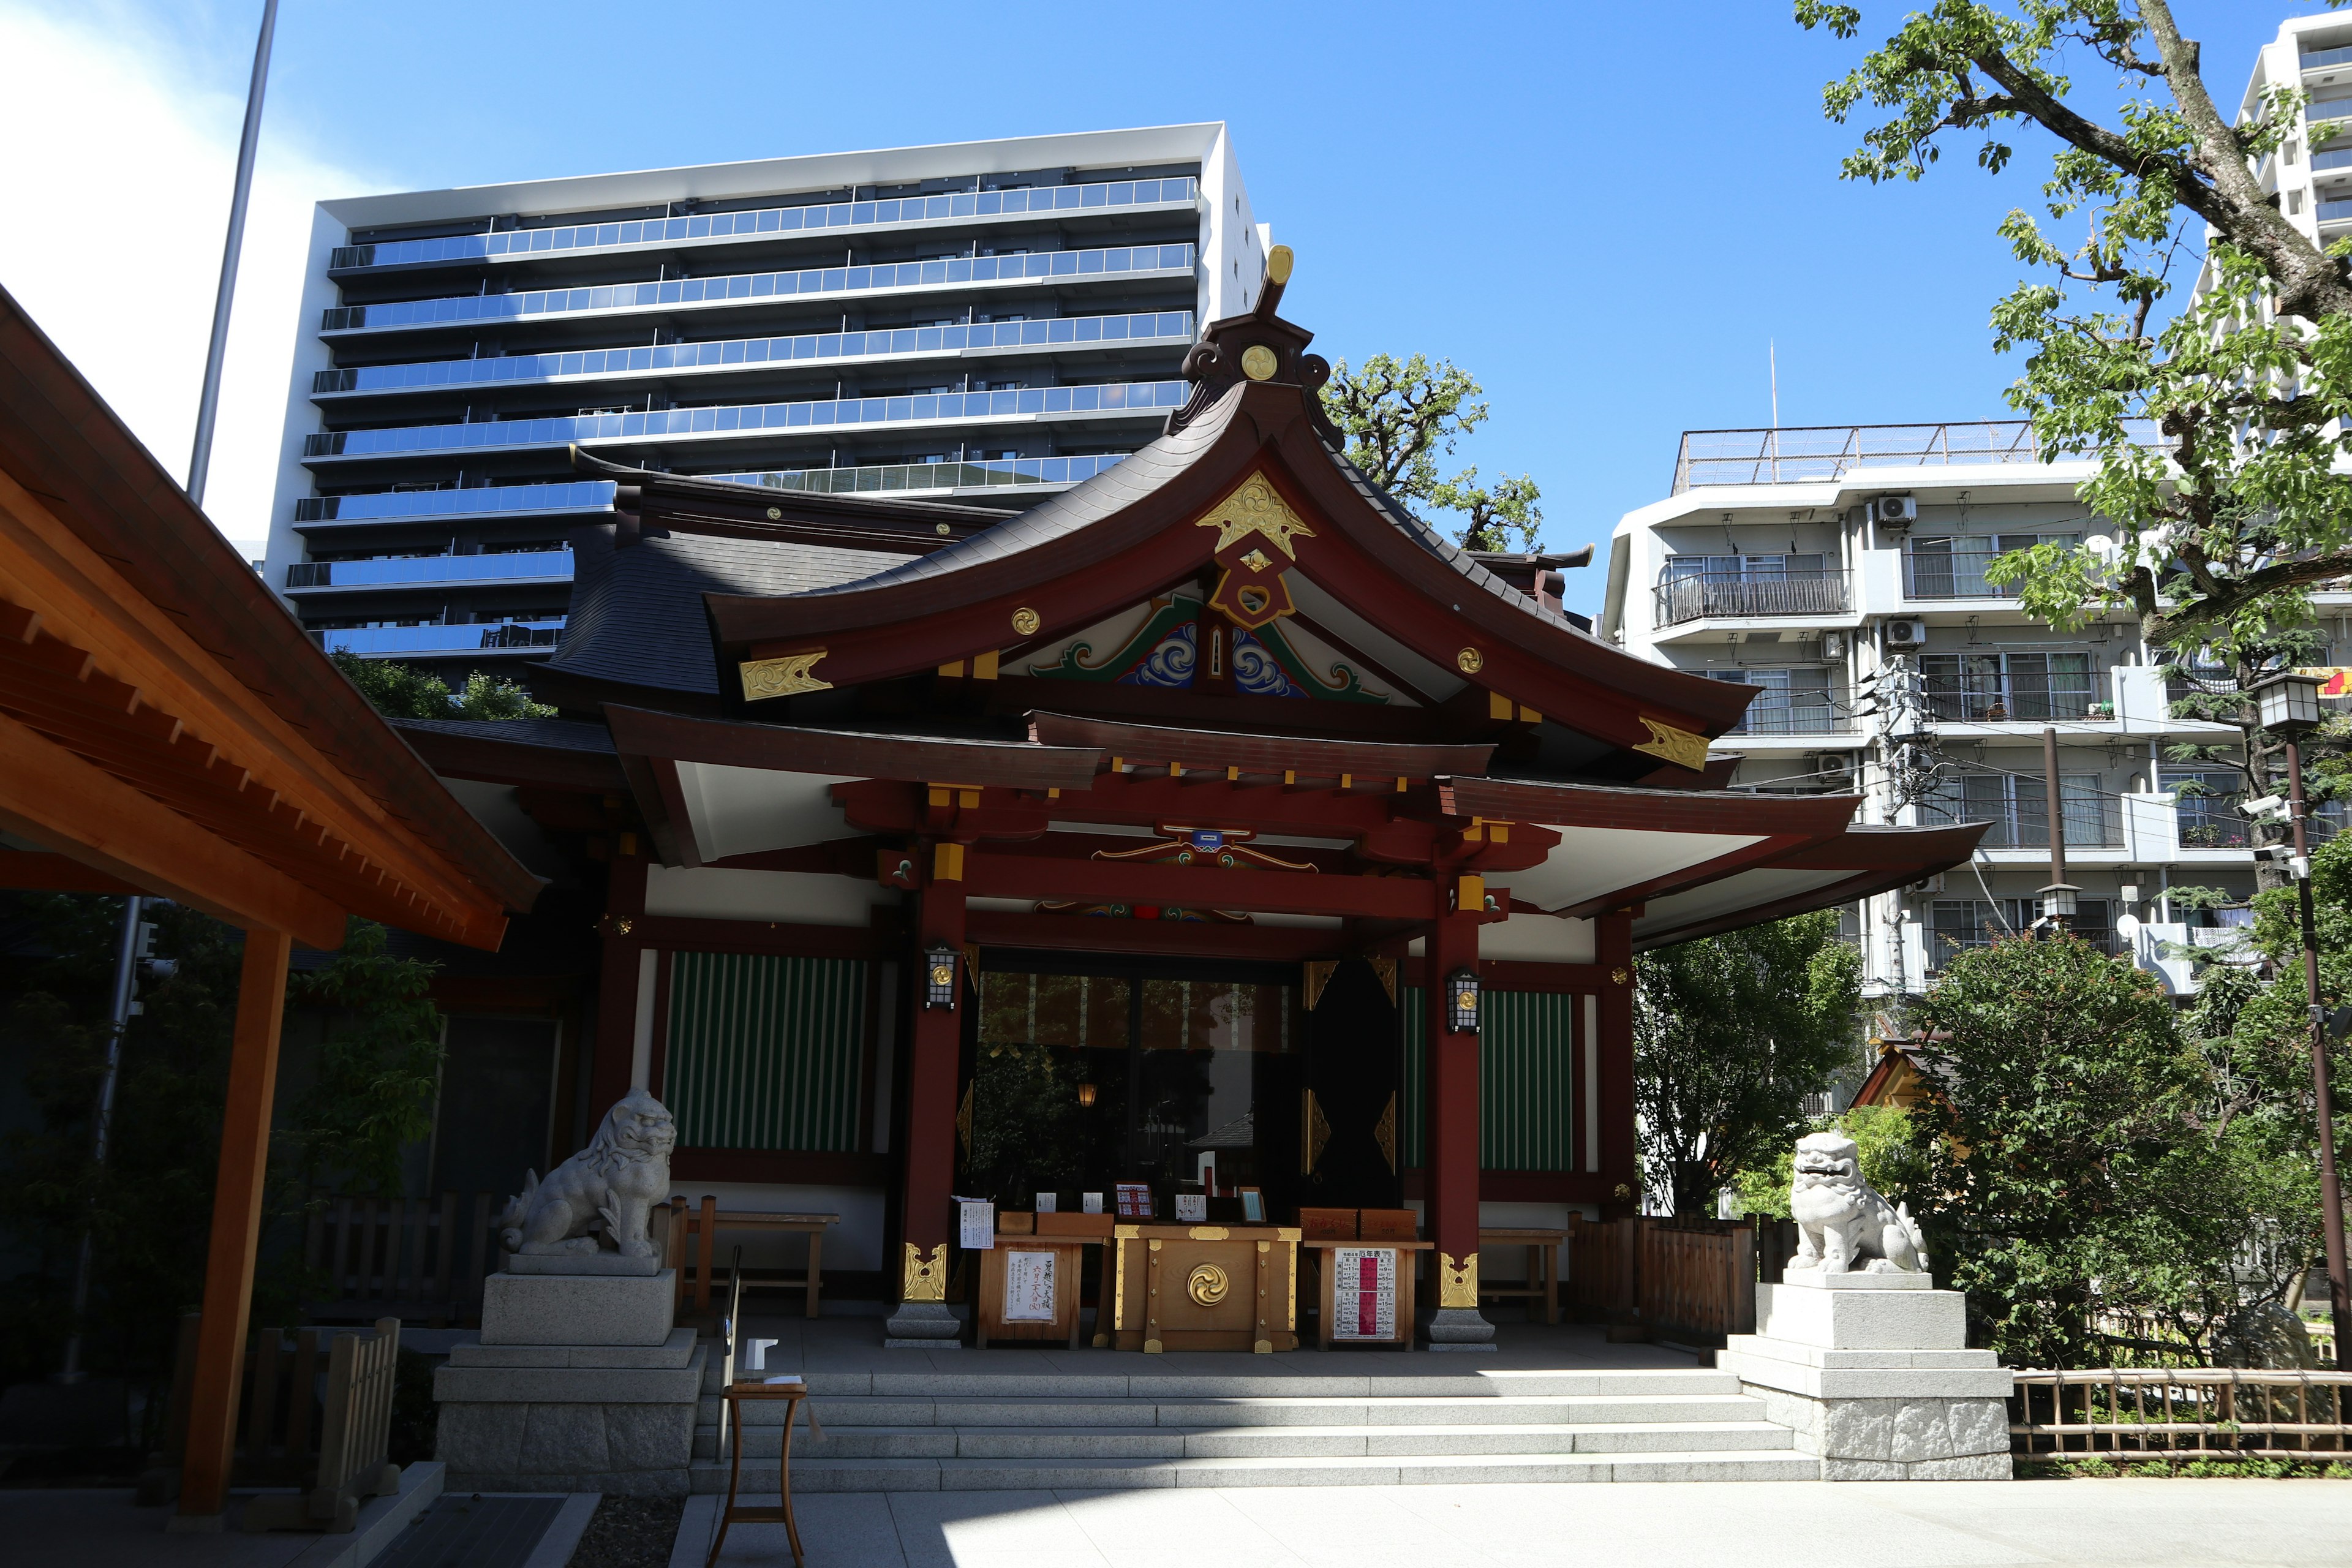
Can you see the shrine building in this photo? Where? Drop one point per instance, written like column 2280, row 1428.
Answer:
column 1215, row 827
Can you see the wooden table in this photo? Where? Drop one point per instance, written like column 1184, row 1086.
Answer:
column 705, row 1223
column 793, row 1392
column 1543, row 1265
column 1328, row 1288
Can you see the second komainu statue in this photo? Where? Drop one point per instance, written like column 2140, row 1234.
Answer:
column 1843, row 1222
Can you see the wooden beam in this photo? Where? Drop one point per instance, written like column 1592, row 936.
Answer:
column 236, row 1223
column 33, row 870
column 52, row 797
column 989, row 875
column 1190, row 938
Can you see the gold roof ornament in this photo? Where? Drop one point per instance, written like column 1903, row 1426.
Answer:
column 1254, row 506
column 1679, row 747
column 785, row 677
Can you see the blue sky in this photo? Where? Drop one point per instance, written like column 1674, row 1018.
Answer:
column 1603, row 211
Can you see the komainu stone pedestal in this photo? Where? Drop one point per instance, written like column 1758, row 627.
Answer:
column 580, row 1383
column 1872, row 1372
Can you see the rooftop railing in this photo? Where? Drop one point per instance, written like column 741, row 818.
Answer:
column 888, row 477
column 1708, row 596
column 1168, row 326
column 738, row 287
column 400, row 506
column 419, row 571
column 505, row 636
column 1813, row 453
column 777, row 220
column 673, row 424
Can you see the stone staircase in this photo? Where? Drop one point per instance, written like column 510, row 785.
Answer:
column 922, row 1430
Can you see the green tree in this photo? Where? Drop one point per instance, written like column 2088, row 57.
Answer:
column 379, row 1054
column 399, row 691
column 2222, row 525
column 1401, row 416
column 1730, row 1034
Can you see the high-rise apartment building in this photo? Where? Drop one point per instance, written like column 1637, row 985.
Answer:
column 988, row 322
column 1842, row 572
column 2314, row 185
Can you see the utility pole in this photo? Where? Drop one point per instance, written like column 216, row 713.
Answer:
column 2058, row 898
column 200, row 458
column 2289, row 706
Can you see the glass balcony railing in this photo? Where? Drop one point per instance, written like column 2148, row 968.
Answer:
column 2320, row 59
column 780, row 220
column 897, row 477
column 505, row 636
column 738, row 287
column 2335, row 211
column 1704, row 595
column 402, row 506
column 673, row 424
column 1168, row 326
column 420, row 570
column 2325, row 108
column 2332, row 158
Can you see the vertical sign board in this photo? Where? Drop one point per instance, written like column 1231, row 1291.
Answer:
column 1029, row 1287
column 1363, row 1281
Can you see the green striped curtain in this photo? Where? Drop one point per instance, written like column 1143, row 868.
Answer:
column 1527, row 1081
column 765, row 1053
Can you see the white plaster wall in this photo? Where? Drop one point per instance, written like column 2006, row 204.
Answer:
column 721, row 893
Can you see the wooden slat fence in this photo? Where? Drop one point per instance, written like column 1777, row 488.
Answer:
column 299, row 1394
column 1678, row 1278
column 421, row 1259
column 2161, row 1414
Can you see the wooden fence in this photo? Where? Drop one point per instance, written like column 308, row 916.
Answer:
column 1674, row 1278
column 419, row 1260
column 2163, row 1413
column 291, row 1431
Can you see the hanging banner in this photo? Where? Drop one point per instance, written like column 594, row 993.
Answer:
column 2338, row 679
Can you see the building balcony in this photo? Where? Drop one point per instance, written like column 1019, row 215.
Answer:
column 1114, row 399
column 1951, row 575
column 2017, row 698
column 502, row 637
column 431, row 506
column 513, row 245
column 1710, row 596
column 486, row 570
column 1795, row 721
column 2093, row 822
column 1146, row 329
column 917, row 478
column 741, row 289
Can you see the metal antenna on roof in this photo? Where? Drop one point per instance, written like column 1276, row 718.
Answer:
column 200, row 460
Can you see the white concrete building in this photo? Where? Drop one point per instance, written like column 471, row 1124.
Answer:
column 1842, row 569
column 985, row 322
column 2313, row 185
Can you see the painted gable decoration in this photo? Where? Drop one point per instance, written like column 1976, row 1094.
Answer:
column 1251, row 517
column 1164, row 651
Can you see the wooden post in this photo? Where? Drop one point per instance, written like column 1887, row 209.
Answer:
column 1451, row 1201
column 236, row 1228
column 937, row 1037
column 1613, row 940
column 613, row 1069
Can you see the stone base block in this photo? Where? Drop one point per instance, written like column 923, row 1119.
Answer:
column 672, row 1354
column 604, row 1265
column 922, row 1326
column 622, row 1429
column 578, row 1310
column 1891, row 1317
column 1459, row 1329
column 1914, row 1437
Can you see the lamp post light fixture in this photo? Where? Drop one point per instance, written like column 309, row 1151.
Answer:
column 1462, row 1002
column 2058, row 903
column 1086, row 1094
column 2288, row 704
column 940, row 978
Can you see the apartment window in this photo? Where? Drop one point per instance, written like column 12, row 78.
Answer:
column 2205, row 806
column 1953, row 566
column 1794, row 701
column 2017, row 808
column 1955, row 925
column 1990, row 687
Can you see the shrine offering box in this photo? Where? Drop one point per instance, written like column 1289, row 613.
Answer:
column 1029, row 1289
column 1204, row 1288
column 1388, row 1224
column 1087, row 1225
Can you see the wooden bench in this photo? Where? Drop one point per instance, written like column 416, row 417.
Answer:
column 1543, row 1266
column 703, row 1224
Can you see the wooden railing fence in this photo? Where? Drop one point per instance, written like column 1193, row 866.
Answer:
column 420, row 1259
column 2135, row 1414
column 1678, row 1278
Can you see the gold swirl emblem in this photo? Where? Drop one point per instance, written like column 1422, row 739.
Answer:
column 1206, row 1284
column 1025, row 622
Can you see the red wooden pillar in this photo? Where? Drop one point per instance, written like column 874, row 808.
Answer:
column 236, row 1228
column 1613, row 947
column 924, row 1220
column 613, row 1069
column 1450, row 1194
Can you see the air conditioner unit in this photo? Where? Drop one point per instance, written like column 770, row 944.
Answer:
column 1833, row 645
column 1905, row 634
column 1898, row 511
column 1832, row 771
column 1931, row 886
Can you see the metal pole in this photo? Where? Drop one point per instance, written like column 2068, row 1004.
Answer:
column 2331, row 1192
column 2054, row 806
column 200, row 459
column 126, row 962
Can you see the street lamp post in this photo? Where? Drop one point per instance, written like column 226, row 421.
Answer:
column 2288, row 705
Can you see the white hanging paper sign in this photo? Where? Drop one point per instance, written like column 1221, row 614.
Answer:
column 1048, row 1203
column 1090, row 1203
column 1028, row 1287
column 1363, row 1292
column 1192, row 1208
column 979, row 1223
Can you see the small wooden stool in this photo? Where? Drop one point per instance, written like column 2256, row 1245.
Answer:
column 792, row 1393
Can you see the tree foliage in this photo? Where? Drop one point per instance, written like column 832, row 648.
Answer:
column 1401, row 416
column 379, row 1054
column 1888, row 1148
column 2217, row 423
column 398, row 691
column 1730, row 1034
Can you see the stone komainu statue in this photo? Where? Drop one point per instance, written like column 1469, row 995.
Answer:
column 1844, row 1222
column 617, row 1179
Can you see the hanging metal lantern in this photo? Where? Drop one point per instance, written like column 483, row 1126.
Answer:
column 1462, row 1002
column 940, row 978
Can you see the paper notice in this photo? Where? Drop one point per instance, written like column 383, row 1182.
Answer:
column 979, row 1228
column 1363, row 1292
column 1029, row 1287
